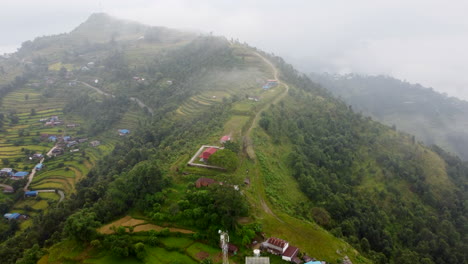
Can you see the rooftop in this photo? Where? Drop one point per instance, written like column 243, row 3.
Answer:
column 291, row 252
column 257, row 260
column 277, row 242
column 21, row 174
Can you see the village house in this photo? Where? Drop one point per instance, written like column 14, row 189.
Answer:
column 123, row 132
column 31, row 193
column 71, row 143
column 72, row 125
column 247, row 181
column 19, row 175
column 8, row 190
column 232, row 249
column 6, row 172
column 57, row 151
column 12, row 216
column 204, row 182
column 291, row 253
column 95, row 143
column 275, row 245
column 306, row 258
column 207, row 153
column 81, row 140
column 257, row 260
column 269, row 84
column 37, row 156
column 224, row 139
column 39, row 166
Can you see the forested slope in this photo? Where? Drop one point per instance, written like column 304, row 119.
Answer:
column 395, row 199
column 432, row 117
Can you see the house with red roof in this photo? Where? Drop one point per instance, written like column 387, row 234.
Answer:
column 276, row 245
column 204, row 182
column 207, row 153
column 290, row 253
column 224, row 139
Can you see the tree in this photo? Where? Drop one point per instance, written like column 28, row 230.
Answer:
column 140, row 250
column 232, row 146
column 224, row 158
column 32, row 255
column 321, row 216
column 82, row 225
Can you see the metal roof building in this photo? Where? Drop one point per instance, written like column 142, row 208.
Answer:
column 257, row 260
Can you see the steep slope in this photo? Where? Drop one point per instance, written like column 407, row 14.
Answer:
column 432, row 117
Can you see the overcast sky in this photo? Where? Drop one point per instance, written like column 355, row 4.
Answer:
column 421, row 41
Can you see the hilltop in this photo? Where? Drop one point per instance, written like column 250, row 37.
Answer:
column 281, row 158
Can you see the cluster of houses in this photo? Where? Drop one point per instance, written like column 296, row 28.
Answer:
column 270, row 84
column 52, row 121
column 12, row 174
column 66, row 142
column 287, row 252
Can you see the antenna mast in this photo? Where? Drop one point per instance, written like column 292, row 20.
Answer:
column 224, row 240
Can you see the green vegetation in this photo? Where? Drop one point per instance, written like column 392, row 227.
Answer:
column 317, row 174
column 432, row 117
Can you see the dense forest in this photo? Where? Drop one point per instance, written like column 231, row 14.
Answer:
column 432, row 117
column 337, row 153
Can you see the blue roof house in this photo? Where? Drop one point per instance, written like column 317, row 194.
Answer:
column 31, row 194
column 66, row 138
column 20, row 175
column 39, row 166
column 53, row 138
column 12, row 216
column 124, row 132
column 314, row 262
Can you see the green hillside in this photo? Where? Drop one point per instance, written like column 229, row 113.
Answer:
column 300, row 165
column 432, row 117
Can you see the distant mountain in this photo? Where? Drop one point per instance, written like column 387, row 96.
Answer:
column 432, row 117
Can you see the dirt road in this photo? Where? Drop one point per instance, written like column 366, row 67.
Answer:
column 250, row 151
column 134, row 99
column 248, row 139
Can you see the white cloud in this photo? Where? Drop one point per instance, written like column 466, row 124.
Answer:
column 420, row 40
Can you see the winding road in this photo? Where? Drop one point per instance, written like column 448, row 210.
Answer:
column 33, row 172
column 134, row 99
column 248, row 138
